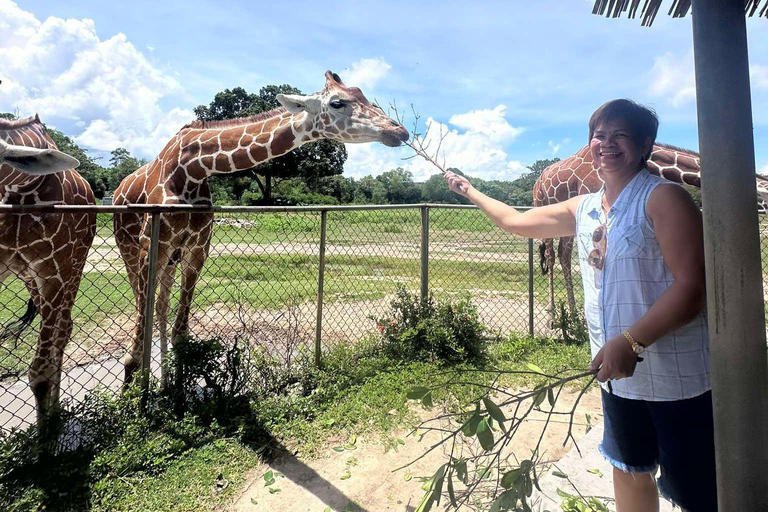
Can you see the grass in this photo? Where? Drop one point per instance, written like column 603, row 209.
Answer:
column 359, row 391
column 190, row 484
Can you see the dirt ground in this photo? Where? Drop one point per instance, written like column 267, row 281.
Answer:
column 363, row 479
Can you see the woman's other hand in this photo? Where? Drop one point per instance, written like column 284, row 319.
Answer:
column 616, row 360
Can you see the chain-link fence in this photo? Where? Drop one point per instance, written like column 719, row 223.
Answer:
column 291, row 281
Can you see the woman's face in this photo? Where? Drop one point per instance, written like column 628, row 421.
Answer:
column 613, row 149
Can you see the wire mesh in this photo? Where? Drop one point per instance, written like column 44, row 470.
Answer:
column 259, row 285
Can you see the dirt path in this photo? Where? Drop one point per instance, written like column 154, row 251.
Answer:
column 105, row 256
column 313, row 486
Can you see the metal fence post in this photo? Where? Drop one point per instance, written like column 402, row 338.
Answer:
column 424, row 253
column 149, row 304
column 530, row 287
column 320, row 280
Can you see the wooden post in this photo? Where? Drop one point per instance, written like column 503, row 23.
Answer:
column 530, row 287
column 149, row 304
column 735, row 303
column 320, row 281
column 424, row 253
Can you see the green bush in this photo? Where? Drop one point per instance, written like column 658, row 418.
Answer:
column 571, row 324
column 443, row 330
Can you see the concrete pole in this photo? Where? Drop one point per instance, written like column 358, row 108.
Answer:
column 732, row 247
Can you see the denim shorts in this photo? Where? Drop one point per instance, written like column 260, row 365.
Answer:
column 677, row 436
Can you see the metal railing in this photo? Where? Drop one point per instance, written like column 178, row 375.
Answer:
column 291, row 281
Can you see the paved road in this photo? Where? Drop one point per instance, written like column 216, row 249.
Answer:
column 17, row 404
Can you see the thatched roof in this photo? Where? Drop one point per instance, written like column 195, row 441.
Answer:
column 678, row 9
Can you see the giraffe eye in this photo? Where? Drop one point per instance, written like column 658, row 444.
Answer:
column 336, row 104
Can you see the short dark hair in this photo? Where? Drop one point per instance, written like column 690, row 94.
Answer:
column 642, row 120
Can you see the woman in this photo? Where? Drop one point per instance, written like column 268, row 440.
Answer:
column 641, row 255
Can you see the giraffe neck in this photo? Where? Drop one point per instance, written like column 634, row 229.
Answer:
column 222, row 147
column 675, row 165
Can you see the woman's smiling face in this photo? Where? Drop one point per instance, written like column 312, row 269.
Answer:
column 613, row 148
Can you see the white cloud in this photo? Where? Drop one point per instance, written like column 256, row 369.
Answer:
column 477, row 150
column 672, row 78
column 759, row 76
column 61, row 69
column 366, row 73
column 763, row 170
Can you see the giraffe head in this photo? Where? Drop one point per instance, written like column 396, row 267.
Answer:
column 344, row 114
column 35, row 161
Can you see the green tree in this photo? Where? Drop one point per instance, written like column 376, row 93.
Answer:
column 310, row 162
column 400, row 186
column 121, row 165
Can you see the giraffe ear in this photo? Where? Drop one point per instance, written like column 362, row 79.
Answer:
column 296, row 103
column 35, row 161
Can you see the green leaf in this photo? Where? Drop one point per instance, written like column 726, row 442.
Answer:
column 426, row 400
column 539, row 397
column 254, row 502
column 346, row 475
column 559, row 474
column 352, row 439
column 485, row 435
column 509, row 478
column 407, row 477
column 563, row 494
column 416, row 393
column 534, row 368
column 461, row 470
column 338, row 448
column 470, row 427
column 494, row 410
column 350, row 447
column 269, row 478
column 551, row 397
column 426, row 503
column 327, row 509
column 273, row 490
column 400, row 441
column 596, row 472
column 451, row 494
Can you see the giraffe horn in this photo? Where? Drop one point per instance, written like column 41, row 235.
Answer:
column 332, row 78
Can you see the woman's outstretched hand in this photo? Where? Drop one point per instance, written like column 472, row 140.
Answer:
column 458, row 184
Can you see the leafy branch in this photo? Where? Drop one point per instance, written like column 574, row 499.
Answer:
column 487, row 423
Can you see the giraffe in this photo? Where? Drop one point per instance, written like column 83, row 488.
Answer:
column 577, row 175
column 179, row 175
column 46, row 251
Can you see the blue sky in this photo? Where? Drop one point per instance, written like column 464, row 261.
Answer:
column 510, row 81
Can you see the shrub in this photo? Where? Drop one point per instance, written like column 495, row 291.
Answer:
column 443, row 330
column 572, row 325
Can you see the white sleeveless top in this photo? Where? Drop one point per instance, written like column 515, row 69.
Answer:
column 634, row 275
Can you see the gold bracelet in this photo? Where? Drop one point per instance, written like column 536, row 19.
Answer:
column 636, row 347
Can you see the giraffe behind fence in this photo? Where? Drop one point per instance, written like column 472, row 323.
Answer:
column 179, row 175
column 46, row 251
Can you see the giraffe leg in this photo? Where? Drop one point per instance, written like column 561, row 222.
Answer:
column 138, row 268
column 165, row 285
column 55, row 308
column 192, row 263
column 565, row 251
